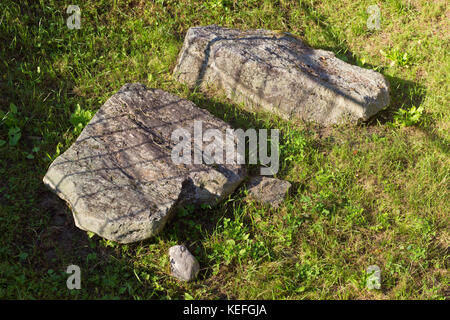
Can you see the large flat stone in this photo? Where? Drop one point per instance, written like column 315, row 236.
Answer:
column 279, row 73
column 118, row 176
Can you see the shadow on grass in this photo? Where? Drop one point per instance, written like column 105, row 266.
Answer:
column 404, row 94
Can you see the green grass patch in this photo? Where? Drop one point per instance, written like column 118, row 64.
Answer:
column 375, row 193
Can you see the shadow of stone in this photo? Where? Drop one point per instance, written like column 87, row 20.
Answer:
column 404, row 93
column 62, row 244
column 191, row 225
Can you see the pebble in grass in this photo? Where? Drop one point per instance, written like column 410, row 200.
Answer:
column 183, row 264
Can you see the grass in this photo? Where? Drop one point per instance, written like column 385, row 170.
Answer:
column 375, row 193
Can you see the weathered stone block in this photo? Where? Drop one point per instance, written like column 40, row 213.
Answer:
column 279, row 73
column 119, row 178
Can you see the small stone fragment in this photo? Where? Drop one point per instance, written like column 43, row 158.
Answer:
column 267, row 190
column 183, row 264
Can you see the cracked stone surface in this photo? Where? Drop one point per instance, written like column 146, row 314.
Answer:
column 279, row 73
column 118, row 176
